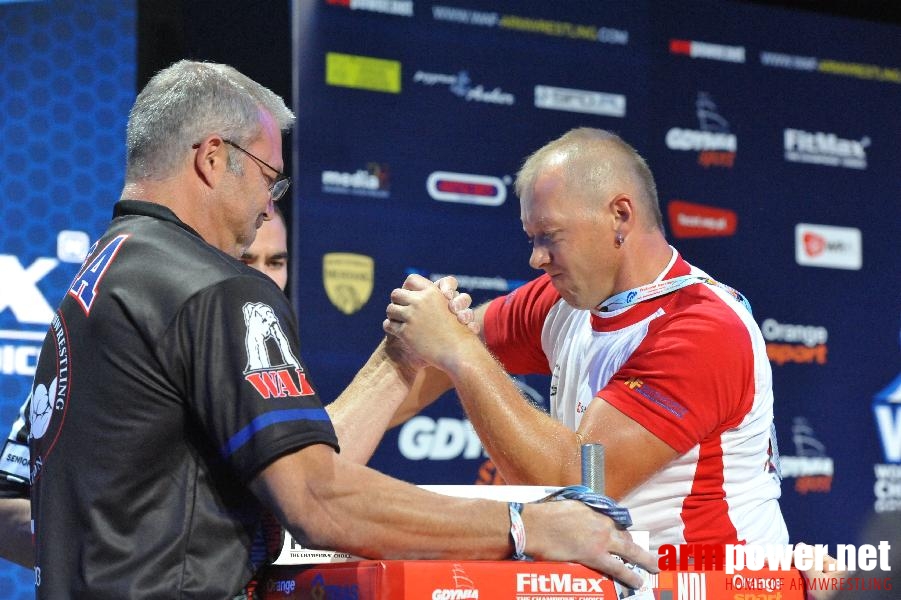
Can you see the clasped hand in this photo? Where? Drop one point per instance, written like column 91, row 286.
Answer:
column 432, row 319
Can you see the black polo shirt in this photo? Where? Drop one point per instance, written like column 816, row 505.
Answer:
column 169, row 378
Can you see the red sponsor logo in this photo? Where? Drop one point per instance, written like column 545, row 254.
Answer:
column 483, row 190
column 696, row 49
column 466, row 188
column 712, row 158
column 828, row 246
column 680, row 47
column 690, row 220
column 814, row 244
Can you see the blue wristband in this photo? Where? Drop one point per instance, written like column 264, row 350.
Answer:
column 600, row 503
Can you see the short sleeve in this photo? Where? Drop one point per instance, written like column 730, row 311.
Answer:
column 234, row 349
column 691, row 376
column 513, row 325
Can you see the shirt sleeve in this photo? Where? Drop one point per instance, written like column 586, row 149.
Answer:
column 691, row 376
column 236, row 351
column 513, row 325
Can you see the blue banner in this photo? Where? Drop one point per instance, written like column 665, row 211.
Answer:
column 67, row 82
column 775, row 148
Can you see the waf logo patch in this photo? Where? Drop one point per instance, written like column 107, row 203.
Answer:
column 265, row 340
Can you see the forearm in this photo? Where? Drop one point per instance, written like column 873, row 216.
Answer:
column 348, row 507
column 363, row 411
column 15, row 522
column 394, row 520
column 351, row 508
column 526, row 445
column 428, row 386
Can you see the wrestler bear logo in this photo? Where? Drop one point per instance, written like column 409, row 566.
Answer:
column 264, row 333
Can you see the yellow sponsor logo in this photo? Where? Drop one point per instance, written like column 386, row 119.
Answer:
column 860, row 71
column 634, row 382
column 347, row 279
column 362, row 72
column 547, row 27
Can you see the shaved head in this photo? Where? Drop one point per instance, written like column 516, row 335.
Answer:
column 595, row 164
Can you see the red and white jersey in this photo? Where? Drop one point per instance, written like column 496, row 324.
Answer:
column 690, row 366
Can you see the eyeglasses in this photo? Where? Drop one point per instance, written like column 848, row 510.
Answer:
column 279, row 185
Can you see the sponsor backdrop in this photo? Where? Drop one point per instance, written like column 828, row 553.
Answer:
column 67, row 79
column 774, row 136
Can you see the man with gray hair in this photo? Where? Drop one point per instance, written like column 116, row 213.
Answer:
column 164, row 442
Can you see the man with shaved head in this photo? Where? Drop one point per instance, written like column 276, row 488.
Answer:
column 648, row 356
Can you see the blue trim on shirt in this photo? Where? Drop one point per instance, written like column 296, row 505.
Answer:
column 272, row 418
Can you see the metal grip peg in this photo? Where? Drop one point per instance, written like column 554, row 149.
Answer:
column 593, row 467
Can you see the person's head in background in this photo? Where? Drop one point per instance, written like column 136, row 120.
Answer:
column 268, row 253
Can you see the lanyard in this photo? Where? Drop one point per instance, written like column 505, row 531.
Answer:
column 660, row 288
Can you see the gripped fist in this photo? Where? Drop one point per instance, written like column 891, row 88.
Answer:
column 432, row 319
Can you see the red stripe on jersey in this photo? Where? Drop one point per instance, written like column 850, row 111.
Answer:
column 705, row 511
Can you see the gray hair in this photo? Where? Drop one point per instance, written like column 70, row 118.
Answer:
column 593, row 161
column 187, row 101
